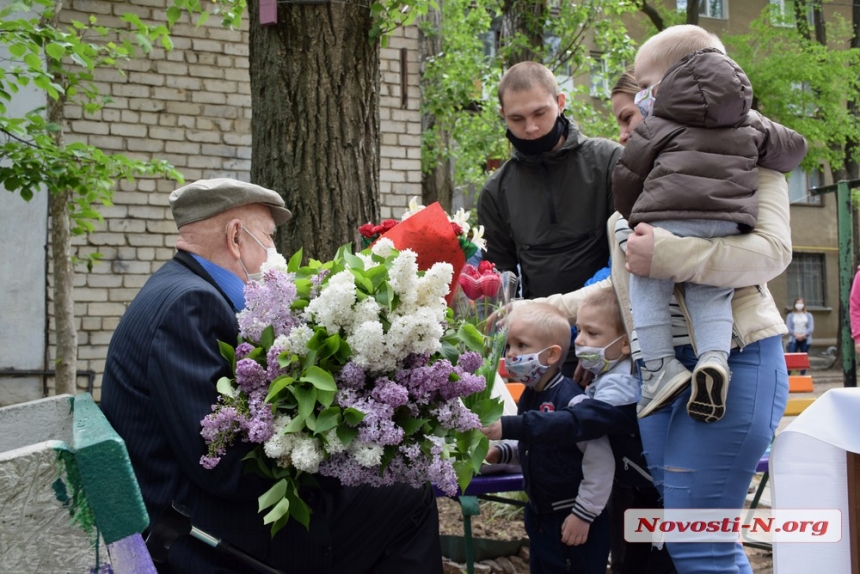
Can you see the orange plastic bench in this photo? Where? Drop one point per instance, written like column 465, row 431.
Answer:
column 798, row 383
column 516, row 389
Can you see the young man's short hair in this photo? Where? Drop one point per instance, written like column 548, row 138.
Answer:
column 605, row 301
column 545, row 322
column 525, row 76
column 665, row 49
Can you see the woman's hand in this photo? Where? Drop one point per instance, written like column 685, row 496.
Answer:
column 640, row 250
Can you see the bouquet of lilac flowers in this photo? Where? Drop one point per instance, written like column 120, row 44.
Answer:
column 350, row 369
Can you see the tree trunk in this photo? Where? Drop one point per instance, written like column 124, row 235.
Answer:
column 693, row 11
column 525, row 18
column 65, row 365
column 315, row 128
column 852, row 145
column 436, row 181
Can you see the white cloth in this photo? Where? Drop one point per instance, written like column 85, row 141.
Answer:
column 808, row 466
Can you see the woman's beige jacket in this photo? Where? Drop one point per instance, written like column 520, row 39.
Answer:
column 748, row 261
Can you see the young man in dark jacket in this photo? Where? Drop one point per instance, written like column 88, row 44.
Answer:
column 544, row 211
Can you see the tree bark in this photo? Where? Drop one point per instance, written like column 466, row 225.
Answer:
column 436, row 181
column 526, row 18
column 693, row 11
column 653, row 15
column 852, row 145
column 61, row 256
column 315, row 128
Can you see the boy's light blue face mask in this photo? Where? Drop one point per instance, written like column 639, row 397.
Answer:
column 526, row 369
column 645, row 99
column 594, row 358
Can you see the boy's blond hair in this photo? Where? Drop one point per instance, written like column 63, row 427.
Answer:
column 546, row 322
column 667, row 48
column 525, row 76
column 605, row 300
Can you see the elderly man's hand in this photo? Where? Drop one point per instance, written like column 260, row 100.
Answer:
column 494, row 431
column 640, row 250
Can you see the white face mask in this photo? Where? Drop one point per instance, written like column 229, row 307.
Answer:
column 272, row 256
column 526, row 369
column 594, row 358
column 798, row 306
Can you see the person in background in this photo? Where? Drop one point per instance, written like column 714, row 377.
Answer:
column 568, row 485
column 854, row 311
column 544, row 210
column 800, row 325
column 162, row 367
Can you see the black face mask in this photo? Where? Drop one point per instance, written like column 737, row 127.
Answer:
column 544, row 143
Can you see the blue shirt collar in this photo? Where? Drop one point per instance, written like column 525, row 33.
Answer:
column 229, row 282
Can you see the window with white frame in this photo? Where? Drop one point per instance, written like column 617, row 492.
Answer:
column 799, row 184
column 707, row 8
column 807, row 279
column 598, row 76
column 783, row 13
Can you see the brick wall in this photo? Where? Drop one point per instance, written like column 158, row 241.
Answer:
column 192, row 107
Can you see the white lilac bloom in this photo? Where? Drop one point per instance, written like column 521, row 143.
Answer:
column 366, row 311
column 433, row 286
column 275, row 261
column 382, row 248
column 297, row 341
column 368, row 347
column 366, row 455
column 333, row 444
column 403, row 276
column 280, row 445
column 307, row 454
column 333, row 308
column 418, row 332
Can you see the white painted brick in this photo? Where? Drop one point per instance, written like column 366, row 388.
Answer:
column 145, row 145
column 130, row 90
column 236, row 139
column 87, row 127
column 240, row 100
column 107, row 143
column 203, row 137
column 148, row 212
column 127, row 225
column 220, row 85
column 91, row 7
column 164, row 93
column 183, row 108
column 182, row 147
column 389, row 175
column 236, row 49
column 208, row 98
column 167, row 120
column 204, row 162
column 132, row 282
column 85, row 295
column 409, row 140
column 148, row 253
column 91, row 323
column 130, row 130
column 185, row 122
column 146, row 105
column 115, row 210
column 221, row 111
column 392, row 151
column 183, row 82
column 207, row 45
column 145, row 240
column 160, row 133
column 406, row 164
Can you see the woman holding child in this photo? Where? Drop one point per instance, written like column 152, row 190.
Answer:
column 694, row 464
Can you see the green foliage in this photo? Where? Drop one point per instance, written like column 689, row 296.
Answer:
column 802, row 84
column 33, row 150
column 460, row 81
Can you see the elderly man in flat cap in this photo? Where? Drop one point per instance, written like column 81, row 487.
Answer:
column 160, row 381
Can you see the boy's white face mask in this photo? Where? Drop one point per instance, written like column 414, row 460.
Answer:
column 526, row 369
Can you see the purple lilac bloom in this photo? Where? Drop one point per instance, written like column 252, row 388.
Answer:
column 470, row 361
column 351, row 376
column 243, row 350
column 317, row 281
column 416, row 360
column 268, row 303
column 250, row 375
column 258, row 426
column 464, row 385
column 219, row 429
column 390, row 393
column 274, row 369
column 454, row 415
column 377, row 426
column 423, row 383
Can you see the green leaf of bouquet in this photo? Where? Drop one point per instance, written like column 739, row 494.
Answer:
column 311, row 423
column 488, row 410
column 352, row 416
column 303, row 290
column 286, row 359
column 479, row 452
column 267, row 338
column 295, row 262
column 319, row 378
column 296, row 425
column 228, row 352
column 298, row 304
column 281, row 509
column 344, row 352
column 471, row 337
column 355, row 262
column 384, row 295
column 329, row 347
column 377, row 276
column 299, row 510
column 272, row 496
column 225, row 387
column 450, row 352
column 325, row 398
column 361, row 280
column 410, row 425
column 463, row 469
column 346, row 433
column 328, row 419
column 306, row 395
column 278, row 385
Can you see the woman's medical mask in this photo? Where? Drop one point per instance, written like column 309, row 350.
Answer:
column 645, row 99
column 526, row 369
column 272, row 256
column 594, row 358
column 798, row 306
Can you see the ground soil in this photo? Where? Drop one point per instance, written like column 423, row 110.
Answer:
column 504, row 522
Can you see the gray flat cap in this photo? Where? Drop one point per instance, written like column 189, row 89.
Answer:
column 206, row 198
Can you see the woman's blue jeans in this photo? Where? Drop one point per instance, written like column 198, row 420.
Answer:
column 710, row 465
